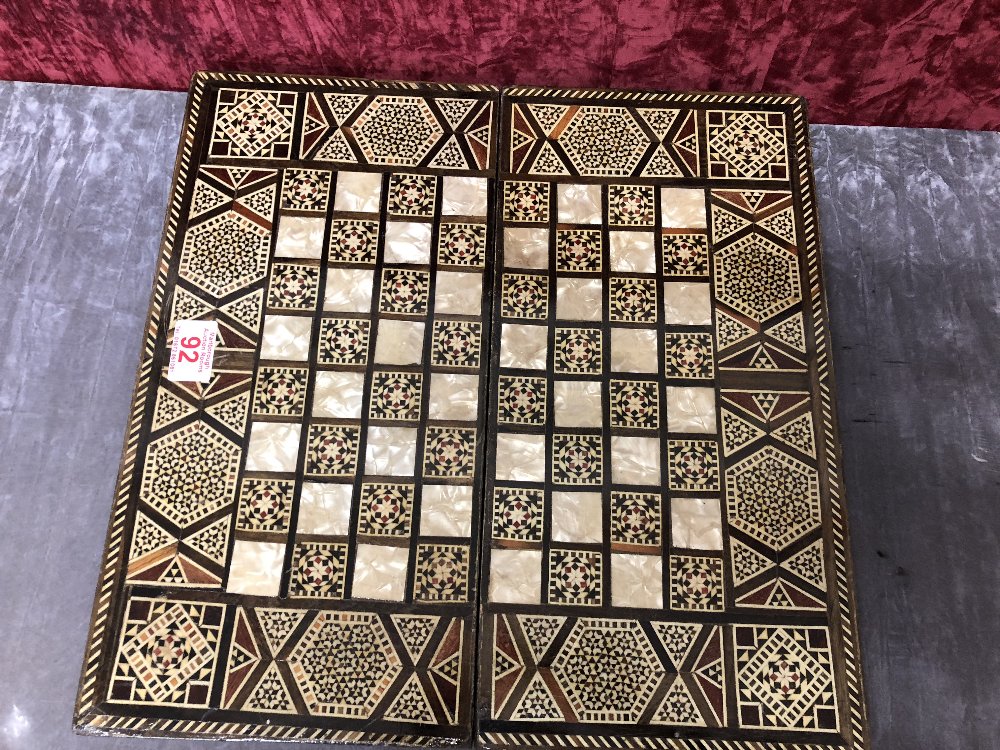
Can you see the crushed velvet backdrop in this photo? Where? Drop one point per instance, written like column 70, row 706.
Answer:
column 884, row 62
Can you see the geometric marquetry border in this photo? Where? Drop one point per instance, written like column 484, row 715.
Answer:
column 109, row 588
column 109, row 594
column 845, row 614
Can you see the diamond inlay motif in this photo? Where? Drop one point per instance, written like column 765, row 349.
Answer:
column 167, row 653
column 785, row 678
column 747, row 144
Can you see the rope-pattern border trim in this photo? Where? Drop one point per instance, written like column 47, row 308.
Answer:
column 109, row 582
column 131, row 725
column 841, row 544
column 344, row 82
column 704, row 97
column 610, row 742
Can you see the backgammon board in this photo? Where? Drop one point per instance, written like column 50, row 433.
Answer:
column 517, row 428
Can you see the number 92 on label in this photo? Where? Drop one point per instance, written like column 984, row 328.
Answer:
column 192, row 350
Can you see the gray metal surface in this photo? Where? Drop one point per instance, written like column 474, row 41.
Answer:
column 911, row 232
column 911, row 224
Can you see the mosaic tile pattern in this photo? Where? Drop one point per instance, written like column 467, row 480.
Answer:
column 303, row 525
column 295, row 544
column 658, row 480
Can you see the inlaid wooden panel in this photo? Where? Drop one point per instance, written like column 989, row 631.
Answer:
column 664, row 562
column 532, row 387
column 294, row 545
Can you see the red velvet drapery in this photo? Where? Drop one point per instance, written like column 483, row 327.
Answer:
column 885, row 62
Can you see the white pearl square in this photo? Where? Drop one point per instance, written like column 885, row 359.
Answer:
column 446, row 510
column 577, row 403
column 464, row 196
column 682, row 208
column 579, row 299
column 686, row 303
column 299, row 237
column 255, row 568
column 338, row 394
column 516, row 576
column 408, row 242
column 632, row 252
column 458, row 293
column 358, row 191
column 348, row 290
column 526, row 247
column 523, row 346
column 286, row 337
column 325, row 508
column 399, row 342
column 634, row 350
column 391, row 451
column 691, row 409
column 380, row 572
column 579, row 204
column 454, row 397
column 637, row 581
column 577, row 517
column 520, row 458
column 635, row 460
column 273, row 446
column 696, row 523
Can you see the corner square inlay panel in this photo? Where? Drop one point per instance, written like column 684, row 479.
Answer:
column 665, row 565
